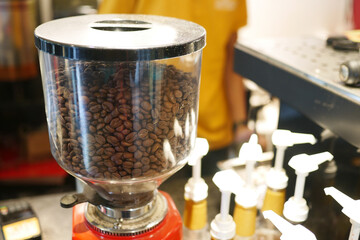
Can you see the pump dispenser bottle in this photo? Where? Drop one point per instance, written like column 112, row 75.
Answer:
column 247, row 197
column 295, row 208
column 223, row 226
column 276, row 179
column 351, row 208
column 196, row 192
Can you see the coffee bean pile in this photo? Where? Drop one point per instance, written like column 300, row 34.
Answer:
column 117, row 122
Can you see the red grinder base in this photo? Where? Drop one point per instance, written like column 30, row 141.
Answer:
column 169, row 228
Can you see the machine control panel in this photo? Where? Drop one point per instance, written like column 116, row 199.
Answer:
column 18, row 221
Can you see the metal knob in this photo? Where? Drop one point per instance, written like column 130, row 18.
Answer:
column 350, row 72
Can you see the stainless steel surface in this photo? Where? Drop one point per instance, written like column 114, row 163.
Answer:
column 125, row 226
column 17, row 23
column 119, row 37
column 304, row 73
column 127, row 213
column 309, row 58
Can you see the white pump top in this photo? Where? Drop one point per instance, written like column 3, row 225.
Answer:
column 287, row 138
column 296, row 209
column 351, row 208
column 283, row 139
column 304, row 164
column 288, row 230
column 196, row 189
column 223, row 226
column 251, row 152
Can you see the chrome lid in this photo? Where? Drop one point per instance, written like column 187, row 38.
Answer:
column 119, row 37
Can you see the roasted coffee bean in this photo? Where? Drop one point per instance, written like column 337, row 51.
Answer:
column 145, row 160
column 117, row 156
column 120, row 132
column 148, row 142
column 112, row 140
column 116, row 122
column 138, row 143
column 128, row 164
column 178, row 94
column 116, row 175
column 93, row 170
column 107, row 175
column 100, row 151
column 136, row 172
column 128, row 155
column 115, row 113
column 100, row 139
column 112, row 169
column 168, row 105
column 96, row 158
column 132, row 148
column 75, row 159
column 138, row 154
column 125, row 131
column 128, row 124
column 125, row 144
column 171, row 97
column 131, row 137
column 136, row 126
column 109, row 163
column 143, row 134
column 146, row 106
column 109, row 151
column 138, row 165
column 108, row 106
column 100, row 126
column 95, row 108
column 119, row 135
column 109, row 129
column 108, row 118
column 144, row 168
column 84, row 100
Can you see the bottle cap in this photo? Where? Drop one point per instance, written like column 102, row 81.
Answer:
column 222, row 228
column 196, row 190
column 296, row 210
column 276, row 179
column 247, row 197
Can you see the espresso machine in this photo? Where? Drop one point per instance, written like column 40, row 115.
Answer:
column 121, row 99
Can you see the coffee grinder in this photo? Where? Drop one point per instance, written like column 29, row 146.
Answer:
column 121, row 94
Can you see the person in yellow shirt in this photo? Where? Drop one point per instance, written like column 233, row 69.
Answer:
column 222, row 103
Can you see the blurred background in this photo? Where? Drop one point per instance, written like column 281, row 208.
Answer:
column 26, row 165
